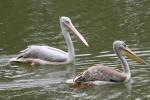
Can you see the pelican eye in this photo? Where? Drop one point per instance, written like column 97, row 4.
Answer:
column 67, row 22
column 124, row 45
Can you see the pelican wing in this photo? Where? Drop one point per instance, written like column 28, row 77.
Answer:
column 101, row 73
column 43, row 53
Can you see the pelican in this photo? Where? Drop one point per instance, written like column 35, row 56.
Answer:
column 100, row 73
column 41, row 54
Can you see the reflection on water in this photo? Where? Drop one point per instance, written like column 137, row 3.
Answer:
column 24, row 23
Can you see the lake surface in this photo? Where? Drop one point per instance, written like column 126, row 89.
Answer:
column 28, row 22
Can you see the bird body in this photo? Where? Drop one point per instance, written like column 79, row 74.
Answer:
column 107, row 74
column 41, row 55
column 101, row 73
column 44, row 52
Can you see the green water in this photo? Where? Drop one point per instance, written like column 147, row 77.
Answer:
column 27, row 22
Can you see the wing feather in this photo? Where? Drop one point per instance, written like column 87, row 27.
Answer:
column 101, row 73
column 44, row 53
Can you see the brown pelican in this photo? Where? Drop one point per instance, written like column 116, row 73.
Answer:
column 40, row 55
column 100, row 73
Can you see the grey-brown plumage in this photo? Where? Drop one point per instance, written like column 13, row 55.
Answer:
column 101, row 73
column 108, row 74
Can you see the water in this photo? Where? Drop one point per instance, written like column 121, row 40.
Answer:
column 24, row 22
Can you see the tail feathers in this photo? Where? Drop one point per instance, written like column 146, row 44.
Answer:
column 13, row 59
column 79, row 79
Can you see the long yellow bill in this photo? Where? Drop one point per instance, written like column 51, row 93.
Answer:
column 127, row 52
column 71, row 27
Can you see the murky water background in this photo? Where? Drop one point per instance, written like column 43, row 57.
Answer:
column 27, row 22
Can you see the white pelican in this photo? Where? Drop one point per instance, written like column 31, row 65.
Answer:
column 100, row 74
column 40, row 55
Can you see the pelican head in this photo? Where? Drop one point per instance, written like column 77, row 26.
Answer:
column 121, row 48
column 69, row 27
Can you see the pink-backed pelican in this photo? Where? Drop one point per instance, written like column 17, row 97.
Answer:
column 41, row 55
column 100, row 73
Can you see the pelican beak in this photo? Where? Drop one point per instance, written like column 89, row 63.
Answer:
column 71, row 28
column 127, row 52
